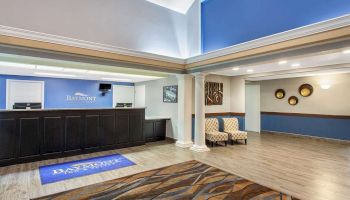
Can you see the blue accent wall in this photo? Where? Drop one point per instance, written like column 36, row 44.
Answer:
column 229, row 22
column 241, row 122
column 57, row 89
column 312, row 126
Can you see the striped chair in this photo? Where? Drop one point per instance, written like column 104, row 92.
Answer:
column 212, row 133
column 231, row 127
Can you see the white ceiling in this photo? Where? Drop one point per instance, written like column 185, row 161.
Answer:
column 332, row 61
column 180, row 6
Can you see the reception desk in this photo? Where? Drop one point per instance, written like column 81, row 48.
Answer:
column 30, row 135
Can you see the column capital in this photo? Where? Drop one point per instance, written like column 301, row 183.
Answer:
column 199, row 74
column 184, row 76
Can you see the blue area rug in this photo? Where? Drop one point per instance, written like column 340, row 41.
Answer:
column 62, row 171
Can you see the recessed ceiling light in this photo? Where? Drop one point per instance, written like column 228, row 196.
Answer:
column 17, row 65
column 250, row 70
column 295, row 65
column 54, row 74
column 282, row 62
column 49, row 68
column 347, row 51
column 235, row 68
column 116, row 79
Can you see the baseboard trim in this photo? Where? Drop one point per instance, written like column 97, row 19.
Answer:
column 306, row 136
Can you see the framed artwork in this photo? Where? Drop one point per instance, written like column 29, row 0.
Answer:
column 214, row 93
column 170, row 94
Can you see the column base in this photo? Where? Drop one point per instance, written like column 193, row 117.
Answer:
column 197, row 148
column 184, row 144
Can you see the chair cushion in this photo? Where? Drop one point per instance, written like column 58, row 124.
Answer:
column 216, row 136
column 237, row 135
column 230, row 124
column 211, row 125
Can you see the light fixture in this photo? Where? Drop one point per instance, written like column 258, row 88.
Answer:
column 49, row 68
column 282, row 62
column 17, row 65
column 295, row 65
column 325, row 84
column 98, row 72
column 116, row 79
column 235, row 68
column 347, row 51
column 74, row 70
column 54, row 74
column 250, row 70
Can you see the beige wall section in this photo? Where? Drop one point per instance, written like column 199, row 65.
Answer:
column 334, row 101
column 237, row 94
column 155, row 107
column 132, row 24
column 234, row 94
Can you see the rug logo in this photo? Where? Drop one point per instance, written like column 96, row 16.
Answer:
column 81, row 97
column 76, row 168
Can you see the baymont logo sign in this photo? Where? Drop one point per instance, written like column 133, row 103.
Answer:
column 76, row 168
column 80, row 97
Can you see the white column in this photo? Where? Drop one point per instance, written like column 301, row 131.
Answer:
column 199, row 135
column 184, row 121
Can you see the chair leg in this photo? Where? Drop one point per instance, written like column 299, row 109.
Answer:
column 245, row 141
column 232, row 142
column 225, row 143
column 212, row 144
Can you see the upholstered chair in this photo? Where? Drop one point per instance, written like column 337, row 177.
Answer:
column 212, row 133
column 231, row 127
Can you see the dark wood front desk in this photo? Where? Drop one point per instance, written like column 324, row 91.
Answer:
column 27, row 136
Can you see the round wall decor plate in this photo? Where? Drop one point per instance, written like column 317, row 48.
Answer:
column 306, row 90
column 280, row 94
column 293, row 100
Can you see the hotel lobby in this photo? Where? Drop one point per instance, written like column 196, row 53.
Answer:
column 176, row 99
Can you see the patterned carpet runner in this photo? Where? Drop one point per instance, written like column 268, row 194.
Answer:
column 188, row 180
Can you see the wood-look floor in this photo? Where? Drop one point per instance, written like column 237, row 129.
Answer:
column 302, row 167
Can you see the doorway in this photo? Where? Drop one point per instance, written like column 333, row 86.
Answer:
column 252, row 107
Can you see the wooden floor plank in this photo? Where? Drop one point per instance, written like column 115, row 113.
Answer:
column 302, row 167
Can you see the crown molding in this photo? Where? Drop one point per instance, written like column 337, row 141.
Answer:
column 55, row 39
column 300, row 32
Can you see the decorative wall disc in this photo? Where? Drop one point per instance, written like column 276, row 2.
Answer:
column 280, row 94
column 293, row 100
column 306, row 90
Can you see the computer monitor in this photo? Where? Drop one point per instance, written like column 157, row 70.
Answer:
column 27, row 106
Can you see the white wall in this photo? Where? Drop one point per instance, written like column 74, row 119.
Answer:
column 334, row 101
column 131, row 24
column 140, row 96
column 155, row 105
column 252, row 109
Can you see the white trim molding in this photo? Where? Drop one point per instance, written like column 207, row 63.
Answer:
column 300, row 32
column 55, row 39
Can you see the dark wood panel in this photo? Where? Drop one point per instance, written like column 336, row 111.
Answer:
column 148, row 131
column 136, row 127
column 159, row 129
column 307, row 115
column 52, row 135
column 29, row 137
column 92, row 124
column 73, row 133
column 7, row 139
column 122, row 127
column 108, row 135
